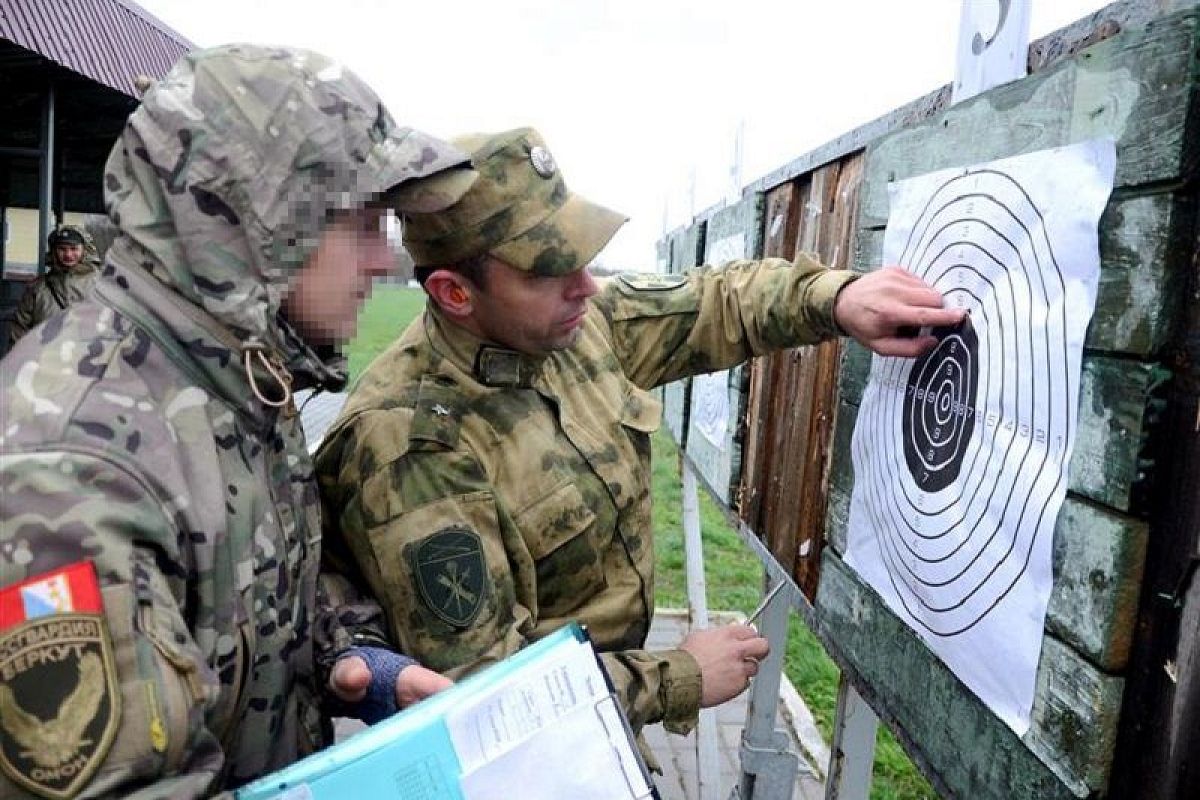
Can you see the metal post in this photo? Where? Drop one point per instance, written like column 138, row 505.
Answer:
column 46, row 178
column 852, row 753
column 769, row 766
column 708, row 761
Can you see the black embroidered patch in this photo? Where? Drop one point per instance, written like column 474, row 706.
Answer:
column 59, row 699
column 449, row 573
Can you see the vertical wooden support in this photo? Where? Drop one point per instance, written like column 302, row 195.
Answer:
column 708, row 762
column 853, row 750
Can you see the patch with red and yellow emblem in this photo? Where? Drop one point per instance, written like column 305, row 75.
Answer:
column 59, row 698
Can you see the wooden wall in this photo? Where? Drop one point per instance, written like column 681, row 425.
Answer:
column 1117, row 708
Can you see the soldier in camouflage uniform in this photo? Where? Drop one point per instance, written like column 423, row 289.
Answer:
column 72, row 263
column 490, row 471
column 162, row 629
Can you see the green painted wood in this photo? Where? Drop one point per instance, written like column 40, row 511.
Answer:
column 1134, row 87
column 1098, row 559
column 1116, row 403
column 1144, row 258
column 1066, row 752
column 734, row 232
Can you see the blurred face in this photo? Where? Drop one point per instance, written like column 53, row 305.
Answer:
column 531, row 314
column 324, row 301
column 68, row 255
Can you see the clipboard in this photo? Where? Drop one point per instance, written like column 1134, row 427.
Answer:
column 543, row 723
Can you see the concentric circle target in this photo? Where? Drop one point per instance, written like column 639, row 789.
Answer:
column 960, row 455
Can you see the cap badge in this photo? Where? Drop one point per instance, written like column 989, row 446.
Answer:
column 542, row 161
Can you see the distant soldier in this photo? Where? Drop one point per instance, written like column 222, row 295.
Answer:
column 491, row 470
column 72, row 265
column 163, row 632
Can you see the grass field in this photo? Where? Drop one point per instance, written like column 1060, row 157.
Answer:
column 732, row 573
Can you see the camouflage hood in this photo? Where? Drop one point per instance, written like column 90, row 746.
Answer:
column 91, row 257
column 226, row 175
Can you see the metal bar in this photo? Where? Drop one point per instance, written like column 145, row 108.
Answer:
column 853, row 752
column 708, row 761
column 46, row 178
column 768, row 765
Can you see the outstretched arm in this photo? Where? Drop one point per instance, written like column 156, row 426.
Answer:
column 885, row 311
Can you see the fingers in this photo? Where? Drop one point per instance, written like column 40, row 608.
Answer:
column 350, row 678
column 415, row 683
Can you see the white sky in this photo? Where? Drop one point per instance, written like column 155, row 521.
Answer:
column 632, row 96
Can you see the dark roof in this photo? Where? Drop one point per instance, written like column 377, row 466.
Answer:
column 109, row 41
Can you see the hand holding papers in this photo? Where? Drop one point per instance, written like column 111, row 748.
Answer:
column 541, row 724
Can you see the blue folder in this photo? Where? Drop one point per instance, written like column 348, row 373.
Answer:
column 411, row 755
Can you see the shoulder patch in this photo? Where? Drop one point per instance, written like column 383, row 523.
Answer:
column 652, row 281
column 450, row 574
column 59, row 699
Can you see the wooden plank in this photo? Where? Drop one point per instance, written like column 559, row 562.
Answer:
column 1098, row 558
column 779, row 239
column 1067, row 751
column 1158, row 753
column 1145, row 256
column 733, row 233
column 1134, row 87
column 1117, row 399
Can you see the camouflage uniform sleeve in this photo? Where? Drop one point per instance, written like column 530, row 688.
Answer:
column 345, row 617
column 431, row 542
column 669, row 328
column 131, row 690
column 656, row 686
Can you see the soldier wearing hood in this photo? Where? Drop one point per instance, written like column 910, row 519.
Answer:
column 163, row 628
column 72, row 263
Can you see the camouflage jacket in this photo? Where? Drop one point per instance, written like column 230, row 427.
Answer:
column 162, row 629
column 488, row 497
column 55, row 290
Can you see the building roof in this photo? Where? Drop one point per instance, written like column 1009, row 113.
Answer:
column 109, row 41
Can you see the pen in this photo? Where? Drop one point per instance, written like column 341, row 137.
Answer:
column 763, row 605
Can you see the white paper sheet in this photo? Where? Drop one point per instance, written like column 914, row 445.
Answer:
column 960, row 457
column 710, row 406
column 515, row 710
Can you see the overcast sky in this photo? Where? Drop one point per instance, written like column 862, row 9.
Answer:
column 633, row 96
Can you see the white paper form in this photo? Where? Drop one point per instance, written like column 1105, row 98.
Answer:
column 516, row 709
column 586, row 755
column 960, row 456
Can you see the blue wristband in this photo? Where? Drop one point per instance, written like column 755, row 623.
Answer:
column 380, row 700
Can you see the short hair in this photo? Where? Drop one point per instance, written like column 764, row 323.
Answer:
column 473, row 269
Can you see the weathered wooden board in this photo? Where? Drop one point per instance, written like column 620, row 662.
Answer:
column 1144, row 262
column 1134, row 87
column 1067, row 750
column 1097, row 563
column 732, row 233
column 1116, row 399
column 779, row 239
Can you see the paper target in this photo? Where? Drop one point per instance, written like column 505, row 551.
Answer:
column 960, row 456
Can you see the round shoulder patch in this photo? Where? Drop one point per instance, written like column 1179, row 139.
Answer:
column 652, row 281
column 449, row 573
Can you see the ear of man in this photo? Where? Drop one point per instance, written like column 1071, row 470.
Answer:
column 452, row 292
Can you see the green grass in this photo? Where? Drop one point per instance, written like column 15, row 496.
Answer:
column 732, row 573
column 383, row 318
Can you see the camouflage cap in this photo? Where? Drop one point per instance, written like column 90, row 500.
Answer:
column 519, row 211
